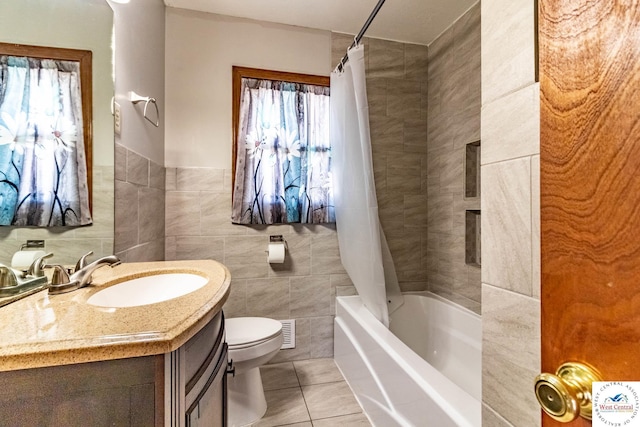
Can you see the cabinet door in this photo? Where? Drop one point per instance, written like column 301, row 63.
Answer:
column 210, row 406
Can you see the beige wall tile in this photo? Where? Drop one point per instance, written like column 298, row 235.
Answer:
column 200, row 179
column 325, row 255
column 506, row 225
column 170, row 179
column 451, row 173
column 391, row 213
column 102, row 215
column 491, row 419
column 68, row 251
column 215, row 215
column 453, row 113
column 440, row 213
column 120, row 167
column 386, row 133
column 404, row 251
column 236, row 304
column 415, row 210
column 196, row 247
column 147, row 251
column 467, row 122
column 466, row 35
column 126, row 215
column 157, row 176
column 404, row 100
column 510, row 354
column 508, row 58
column 246, row 257
column 386, row 59
column 137, row 169
column 377, row 96
column 511, row 126
column 321, row 330
column 404, row 173
column 535, row 226
column 416, row 60
column 182, row 213
column 310, row 296
column 440, row 131
column 415, row 136
column 268, row 298
column 152, row 206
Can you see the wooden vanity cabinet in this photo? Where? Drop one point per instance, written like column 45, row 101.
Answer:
column 196, row 372
column 185, row 388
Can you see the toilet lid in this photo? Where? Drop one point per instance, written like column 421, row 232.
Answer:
column 247, row 330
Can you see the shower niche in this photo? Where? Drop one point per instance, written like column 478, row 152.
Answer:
column 472, row 192
column 472, row 253
column 472, row 170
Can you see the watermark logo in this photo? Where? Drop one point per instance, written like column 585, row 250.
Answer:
column 616, row 404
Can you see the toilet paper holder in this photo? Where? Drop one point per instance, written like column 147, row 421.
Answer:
column 32, row 244
column 277, row 238
column 279, row 255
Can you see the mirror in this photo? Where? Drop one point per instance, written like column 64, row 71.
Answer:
column 71, row 24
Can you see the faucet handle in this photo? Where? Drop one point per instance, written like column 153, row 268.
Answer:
column 7, row 277
column 60, row 275
column 82, row 262
column 37, row 266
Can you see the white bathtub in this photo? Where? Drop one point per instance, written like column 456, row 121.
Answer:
column 438, row 383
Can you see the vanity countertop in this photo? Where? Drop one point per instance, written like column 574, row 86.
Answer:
column 49, row 330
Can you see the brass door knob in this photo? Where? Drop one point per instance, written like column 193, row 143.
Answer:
column 567, row 394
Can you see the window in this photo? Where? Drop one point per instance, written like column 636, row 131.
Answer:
column 282, row 150
column 45, row 136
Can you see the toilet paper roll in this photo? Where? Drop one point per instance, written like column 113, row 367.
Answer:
column 21, row 260
column 276, row 253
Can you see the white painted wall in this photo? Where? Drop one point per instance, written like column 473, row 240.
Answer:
column 201, row 49
column 139, row 55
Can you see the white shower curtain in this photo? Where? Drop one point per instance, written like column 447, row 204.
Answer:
column 362, row 242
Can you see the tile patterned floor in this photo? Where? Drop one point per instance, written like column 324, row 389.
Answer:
column 309, row 393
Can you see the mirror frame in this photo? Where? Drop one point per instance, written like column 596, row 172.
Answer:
column 85, row 59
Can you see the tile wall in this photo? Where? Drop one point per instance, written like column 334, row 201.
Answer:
column 139, row 207
column 198, row 226
column 454, row 103
column 510, row 214
column 397, row 94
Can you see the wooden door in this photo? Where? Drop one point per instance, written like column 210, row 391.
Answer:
column 589, row 65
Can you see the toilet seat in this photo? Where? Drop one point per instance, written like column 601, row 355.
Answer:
column 245, row 332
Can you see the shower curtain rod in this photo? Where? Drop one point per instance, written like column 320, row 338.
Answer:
column 364, row 29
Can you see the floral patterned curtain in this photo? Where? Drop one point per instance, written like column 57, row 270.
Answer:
column 283, row 162
column 43, row 173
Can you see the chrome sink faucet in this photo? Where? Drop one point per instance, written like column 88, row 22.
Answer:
column 82, row 275
column 14, row 282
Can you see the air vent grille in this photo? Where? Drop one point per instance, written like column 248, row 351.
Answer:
column 288, row 333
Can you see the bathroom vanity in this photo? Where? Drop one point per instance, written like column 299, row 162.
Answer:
column 66, row 362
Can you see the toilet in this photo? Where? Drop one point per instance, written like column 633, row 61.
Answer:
column 252, row 342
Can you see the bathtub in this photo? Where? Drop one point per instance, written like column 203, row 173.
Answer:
column 434, row 379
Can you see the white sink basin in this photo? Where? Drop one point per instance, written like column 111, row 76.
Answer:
column 148, row 290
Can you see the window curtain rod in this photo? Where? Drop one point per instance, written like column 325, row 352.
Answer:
column 364, row 29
